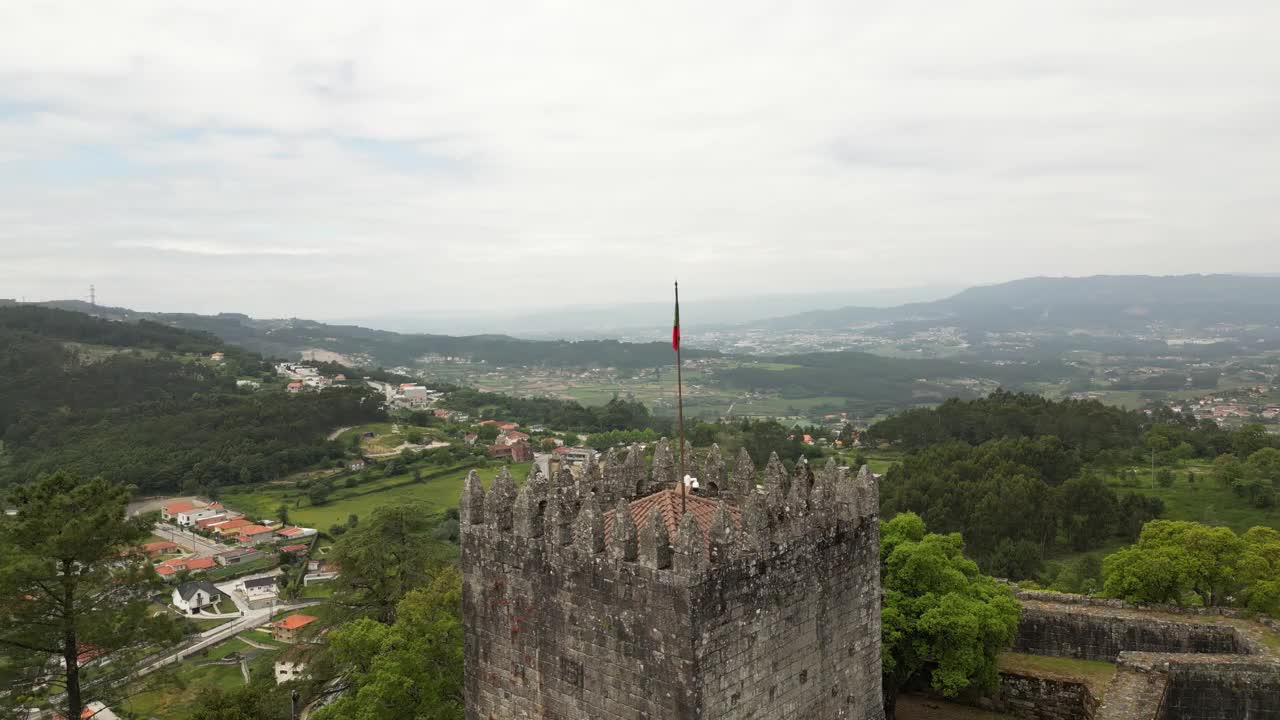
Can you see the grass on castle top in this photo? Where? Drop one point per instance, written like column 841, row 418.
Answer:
column 1095, row 673
column 439, row 492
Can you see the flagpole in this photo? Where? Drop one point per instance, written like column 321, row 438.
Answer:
column 680, row 403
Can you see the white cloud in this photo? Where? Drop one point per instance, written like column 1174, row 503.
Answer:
column 478, row 155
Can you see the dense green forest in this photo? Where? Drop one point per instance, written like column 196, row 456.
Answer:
column 139, row 404
column 1023, row 477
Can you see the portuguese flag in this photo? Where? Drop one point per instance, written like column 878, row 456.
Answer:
column 675, row 327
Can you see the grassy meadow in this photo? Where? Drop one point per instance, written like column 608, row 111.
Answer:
column 439, row 489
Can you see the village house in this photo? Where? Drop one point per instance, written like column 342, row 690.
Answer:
column 319, row 571
column 254, row 535
column 230, row 527
column 295, row 533
column 257, row 592
column 520, row 451
column 288, row 629
column 292, row 663
column 170, row 511
column 218, row 357
column 187, row 518
column 294, row 387
column 294, row 549
column 189, row 564
column 191, row 597
column 512, row 437
column 162, row 547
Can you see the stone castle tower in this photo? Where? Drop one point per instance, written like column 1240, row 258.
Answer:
column 609, row 596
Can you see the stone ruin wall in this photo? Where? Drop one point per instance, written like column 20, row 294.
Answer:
column 775, row 618
column 1036, row 697
column 1172, row 663
column 1068, row 632
column 1221, row 691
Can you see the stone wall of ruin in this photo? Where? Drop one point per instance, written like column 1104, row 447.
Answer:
column 1078, row 632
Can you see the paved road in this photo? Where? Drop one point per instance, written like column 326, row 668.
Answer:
column 201, row 546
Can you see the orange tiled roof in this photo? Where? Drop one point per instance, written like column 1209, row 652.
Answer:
column 174, row 508
column 254, row 529
column 201, row 563
column 667, row 503
column 293, row 622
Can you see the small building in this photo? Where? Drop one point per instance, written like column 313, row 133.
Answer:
column 188, row 518
column 295, row 533
column 169, row 511
column 289, row 628
column 520, row 451
column 230, row 527
column 292, row 663
column 188, row 564
column 258, row 592
column 294, row 387
column 191, row 597
column 218, row 357
column 161, row 547
column 571, row 455
column 295, row 549
column 355, row 465
column 236, row 556
column 254, row 534
column 221, row 517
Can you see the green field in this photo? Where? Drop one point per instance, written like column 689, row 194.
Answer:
column 439, row 492
column 1205, row 501
column 178, row 699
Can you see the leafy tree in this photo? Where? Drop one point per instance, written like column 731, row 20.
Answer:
column 383, row 558
column 72, row 586
column 282, row 512
column 942, row 620
column 1172, row 559
column 1259, row 570
column 256, row 701
column 1249, row 439
column 1090, row 511
column 320, row 490
column 1164, row 477
column 487, row 433
column 1227, row 470
column 411, row 668
column 413, row 437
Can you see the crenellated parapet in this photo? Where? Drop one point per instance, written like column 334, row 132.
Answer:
column 588, row 518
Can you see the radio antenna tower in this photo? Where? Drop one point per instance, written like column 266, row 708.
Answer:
column 93, row 297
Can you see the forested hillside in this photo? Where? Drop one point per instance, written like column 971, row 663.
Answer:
column 290, row 337
column 141, row 404
column 1024, row 478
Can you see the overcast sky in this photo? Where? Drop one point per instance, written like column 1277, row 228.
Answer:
column 331, row 159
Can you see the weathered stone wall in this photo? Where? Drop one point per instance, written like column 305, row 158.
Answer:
column 551, row 635
column 794, row 634
column 767, row 610
column 1221, row 691
column 1093, row 633
column 1034, row 697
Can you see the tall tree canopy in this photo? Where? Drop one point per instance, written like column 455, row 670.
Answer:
column 942, row 621
column 411, row 668
column 74, row 589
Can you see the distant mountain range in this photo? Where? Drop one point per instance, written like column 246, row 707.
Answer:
column 1103, row 302
column 295, row 338
column 1050, row 306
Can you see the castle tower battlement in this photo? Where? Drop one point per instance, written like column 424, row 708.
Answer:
column 613, row 594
